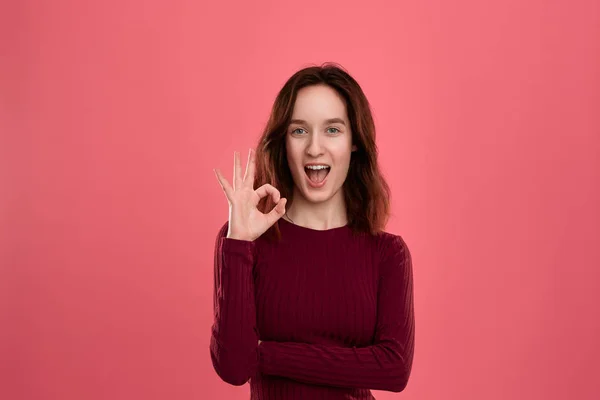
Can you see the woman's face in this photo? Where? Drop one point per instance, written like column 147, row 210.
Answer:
column 319, row 136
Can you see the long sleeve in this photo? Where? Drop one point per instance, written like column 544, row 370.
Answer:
column 234, row 339
column 385, row 365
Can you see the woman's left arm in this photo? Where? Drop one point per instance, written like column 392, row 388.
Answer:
column 385, row 365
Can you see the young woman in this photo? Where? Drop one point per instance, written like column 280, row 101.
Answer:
column 312, row 298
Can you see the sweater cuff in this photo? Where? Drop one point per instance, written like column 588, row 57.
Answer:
column 244, row 248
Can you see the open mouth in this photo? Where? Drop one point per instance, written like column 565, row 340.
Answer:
column 317, row 174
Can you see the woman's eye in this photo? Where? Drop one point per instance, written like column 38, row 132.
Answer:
column 297, row 129
column 336, row 130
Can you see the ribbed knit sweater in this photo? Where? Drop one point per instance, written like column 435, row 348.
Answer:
column 333, row 311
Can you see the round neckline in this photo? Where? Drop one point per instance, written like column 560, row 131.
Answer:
column 307, row 229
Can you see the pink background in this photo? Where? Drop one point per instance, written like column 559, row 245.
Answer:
column 113, row 114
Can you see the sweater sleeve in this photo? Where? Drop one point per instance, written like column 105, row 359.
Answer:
column 234, row 338
column 385, row 365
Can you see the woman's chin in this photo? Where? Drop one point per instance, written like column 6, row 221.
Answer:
column 317, row 195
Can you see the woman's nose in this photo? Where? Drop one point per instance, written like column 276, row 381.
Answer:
column 314, row 148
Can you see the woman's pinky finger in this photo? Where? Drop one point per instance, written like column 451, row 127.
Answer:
column 224, row 184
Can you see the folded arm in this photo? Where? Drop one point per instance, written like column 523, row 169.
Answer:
column 386, row 365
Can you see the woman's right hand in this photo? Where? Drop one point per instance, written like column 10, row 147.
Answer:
column 246, row 222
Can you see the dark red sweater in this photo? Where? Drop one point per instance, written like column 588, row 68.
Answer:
column 333, row 310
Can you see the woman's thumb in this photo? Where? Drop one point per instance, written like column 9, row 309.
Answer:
column 281, row 205
column 277, row 212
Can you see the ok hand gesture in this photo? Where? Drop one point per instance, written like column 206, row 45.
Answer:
column 246, row 222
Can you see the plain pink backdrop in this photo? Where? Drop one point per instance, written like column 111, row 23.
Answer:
column 113, row 114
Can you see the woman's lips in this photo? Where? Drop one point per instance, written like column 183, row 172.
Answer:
column 316, row 185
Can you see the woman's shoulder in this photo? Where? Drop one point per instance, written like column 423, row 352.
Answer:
column 391, row 244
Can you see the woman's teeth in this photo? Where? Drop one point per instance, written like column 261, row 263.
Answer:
column 317, row 173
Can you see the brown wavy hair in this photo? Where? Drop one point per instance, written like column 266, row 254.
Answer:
column 366, row 193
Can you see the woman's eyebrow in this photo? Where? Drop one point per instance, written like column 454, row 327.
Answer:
column 327, row 121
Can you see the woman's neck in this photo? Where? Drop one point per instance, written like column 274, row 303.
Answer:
column 320, row 216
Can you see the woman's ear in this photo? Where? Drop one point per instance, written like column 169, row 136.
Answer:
column 354, row 148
